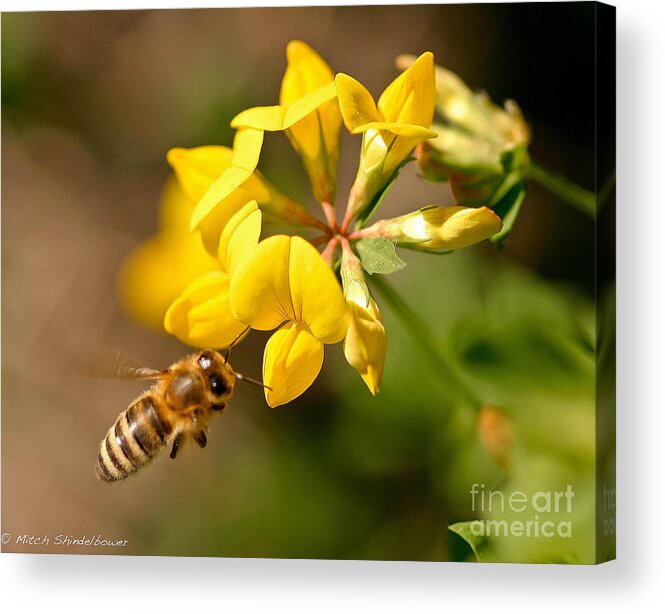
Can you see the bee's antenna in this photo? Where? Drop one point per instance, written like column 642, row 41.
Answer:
column 251, row 381
column 227, row 354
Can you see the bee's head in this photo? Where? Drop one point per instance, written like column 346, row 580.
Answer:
column 217, row 374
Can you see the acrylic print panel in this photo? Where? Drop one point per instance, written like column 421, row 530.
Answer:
column 351, row 269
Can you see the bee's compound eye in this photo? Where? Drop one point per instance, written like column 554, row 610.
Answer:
column 217, row 385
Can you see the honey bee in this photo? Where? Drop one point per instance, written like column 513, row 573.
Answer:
column 179, row 404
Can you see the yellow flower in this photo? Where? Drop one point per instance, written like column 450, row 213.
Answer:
column 309, row 113
column 366, row 341
column 391, row 129
column 284, row 282
column 221, row 180
column 438, row 228
column 145, row 290
column 201, row 316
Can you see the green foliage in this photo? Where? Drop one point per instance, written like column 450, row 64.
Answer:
column 478, row 544
column 378, row 255
column 508, row 209
column 498, row 182
column 529, row 351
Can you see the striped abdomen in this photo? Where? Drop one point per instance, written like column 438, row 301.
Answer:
column 137, row 436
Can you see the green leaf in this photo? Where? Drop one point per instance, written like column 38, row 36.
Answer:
column 478, row 543
column 378, row 255
column 506, row 186
column 508, row 209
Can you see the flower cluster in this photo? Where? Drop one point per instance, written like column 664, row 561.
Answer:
column 283, row 283
column 480, row 147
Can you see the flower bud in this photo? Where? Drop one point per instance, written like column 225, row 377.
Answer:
column 474, row 112
column 436, row 228
column 480, row 148
column 366, row 341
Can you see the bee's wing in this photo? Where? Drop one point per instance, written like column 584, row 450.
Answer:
column 119, row 365
column 129, row 372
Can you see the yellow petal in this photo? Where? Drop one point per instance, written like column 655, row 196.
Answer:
column 411, row 97
column 284, row 279
column 258, row 187
column 260, row 118
column 246, row 150
column 283, row 117
column 197, row 168
column 309, row 113
column 231, row 179
column 466, row 227
column 366, row 341
column 356, row 103
column 291, row 361
column 412, row 131
column 309, row 103
column 260, row 292
column 175, row 208
column 306, row 72
column 401, row 149
column 158, row 270
column 247, row 145
column 475, row 113
column 376, row 147
column 213, row 224
column 313, row 126
column 316, row 294
column 239, row 237
column 312, row 120
column 201, row 316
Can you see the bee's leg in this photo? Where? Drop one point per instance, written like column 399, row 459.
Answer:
column 176, row 443
column 200, row 438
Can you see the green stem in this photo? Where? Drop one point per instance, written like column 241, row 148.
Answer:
column 581, row 199
column 423, row 336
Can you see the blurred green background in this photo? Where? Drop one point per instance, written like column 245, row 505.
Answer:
column 92, row 101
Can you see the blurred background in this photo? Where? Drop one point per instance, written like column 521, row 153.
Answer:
column 91, row 102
